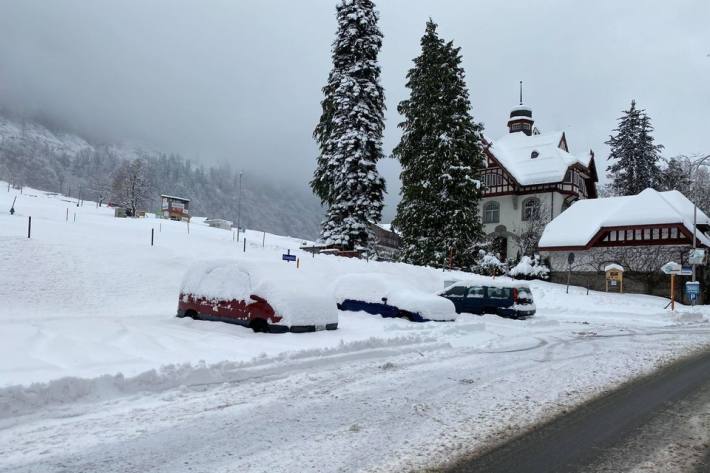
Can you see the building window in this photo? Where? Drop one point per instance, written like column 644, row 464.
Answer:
column 491, row 212
column 531, row 209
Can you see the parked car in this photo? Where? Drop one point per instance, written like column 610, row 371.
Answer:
column 379, row 294
column 263, row 297
column 513, row 300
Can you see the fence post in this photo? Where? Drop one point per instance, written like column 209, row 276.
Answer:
column 74, row 217
column 29, row 227
column 263, row 240
column 67, row 219
column 152, row 236
column 245, row 244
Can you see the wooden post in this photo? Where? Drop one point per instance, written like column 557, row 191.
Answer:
column 298, row 263
column 74, row 217
column 263, row 240
column 245, row 244
column 67, row 215
column 673, row 292
column 188, row 227
column 29, row 227
column 152, row 236
column 233, row 237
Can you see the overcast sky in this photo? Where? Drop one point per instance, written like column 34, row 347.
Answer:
column 239, row 81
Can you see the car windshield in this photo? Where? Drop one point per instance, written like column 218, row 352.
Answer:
column 456, row 291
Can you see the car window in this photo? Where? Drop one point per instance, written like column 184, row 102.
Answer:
column 524, row 293
column 456, row 291
column 499, row 293
column 475, row 292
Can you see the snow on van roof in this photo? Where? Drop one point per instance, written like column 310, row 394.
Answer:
column 487, row 281
column 372, row 287
column 514, row 151
column 576, row 226
column 297, row 295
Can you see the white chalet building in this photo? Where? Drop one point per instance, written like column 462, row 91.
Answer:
column 530, row 177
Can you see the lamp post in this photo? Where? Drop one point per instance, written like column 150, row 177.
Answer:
column 239, row 205
column 695, row 208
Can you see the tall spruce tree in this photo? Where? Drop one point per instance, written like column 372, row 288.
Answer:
column 634, row 154
column 349, row 133
column 442, row 156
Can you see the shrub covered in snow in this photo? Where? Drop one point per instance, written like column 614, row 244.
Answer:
column 530, row 268
column 489, row 264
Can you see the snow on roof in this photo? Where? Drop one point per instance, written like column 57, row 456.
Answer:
column 174, row 197
column 514, row 152
column 613, row 267
column 577, row 225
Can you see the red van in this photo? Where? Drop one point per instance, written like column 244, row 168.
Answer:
column 263, row 298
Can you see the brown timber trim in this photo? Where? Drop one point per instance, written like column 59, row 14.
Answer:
column 598, row 240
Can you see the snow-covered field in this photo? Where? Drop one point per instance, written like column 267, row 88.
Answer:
column 120, row 384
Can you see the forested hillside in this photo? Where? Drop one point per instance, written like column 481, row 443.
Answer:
column 33, row 155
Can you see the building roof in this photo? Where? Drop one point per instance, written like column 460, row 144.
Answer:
column 578, row 225
column 175, row 197
column 514, row 152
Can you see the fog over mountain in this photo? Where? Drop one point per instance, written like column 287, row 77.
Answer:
column 238, row 83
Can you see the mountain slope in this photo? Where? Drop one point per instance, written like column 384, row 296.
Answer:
column 33, row 155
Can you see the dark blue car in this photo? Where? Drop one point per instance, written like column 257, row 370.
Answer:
column 506, row 301
column 383, row 309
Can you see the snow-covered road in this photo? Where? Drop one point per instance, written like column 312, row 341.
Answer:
column 392, row 408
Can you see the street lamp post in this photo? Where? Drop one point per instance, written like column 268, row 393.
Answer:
column 239, row 205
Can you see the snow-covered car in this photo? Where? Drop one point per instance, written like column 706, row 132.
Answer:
column 265, row 297
column 380, row 294
column 510, row 299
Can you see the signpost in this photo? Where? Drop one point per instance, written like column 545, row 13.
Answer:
column 697, row 256
column 288, row 257
column 692, row 290
column 614, row 277
column 672, row 268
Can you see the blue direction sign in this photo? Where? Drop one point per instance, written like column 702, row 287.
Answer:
column 288, row 256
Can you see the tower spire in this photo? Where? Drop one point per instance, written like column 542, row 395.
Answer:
column 521, row 92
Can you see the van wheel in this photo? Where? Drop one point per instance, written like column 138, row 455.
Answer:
column 192, row 314
column 259, row 326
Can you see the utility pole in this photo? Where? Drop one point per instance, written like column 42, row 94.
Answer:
column 239, row 205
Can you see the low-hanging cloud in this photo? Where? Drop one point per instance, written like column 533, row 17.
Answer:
column 239, row 81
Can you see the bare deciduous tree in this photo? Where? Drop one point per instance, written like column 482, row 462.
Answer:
column 130, row 185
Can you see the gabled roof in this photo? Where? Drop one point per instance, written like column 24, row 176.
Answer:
column 174, row 197
column 578, row 225
column 514, row 152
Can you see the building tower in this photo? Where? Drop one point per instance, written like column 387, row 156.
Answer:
column 521, row 119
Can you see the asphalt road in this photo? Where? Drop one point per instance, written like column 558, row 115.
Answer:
column 660, row 424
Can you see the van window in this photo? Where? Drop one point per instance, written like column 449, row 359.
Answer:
column 475, row 292
column 524, row 293
column 456, row 291
column 499, row 292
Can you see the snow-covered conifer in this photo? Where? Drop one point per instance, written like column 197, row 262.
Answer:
column 349, row 133
column 441, row 153
column 635, row 155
